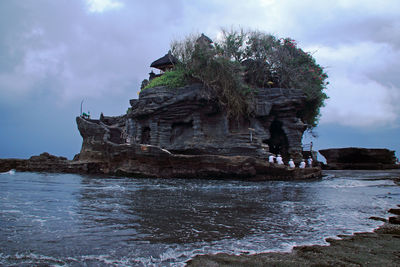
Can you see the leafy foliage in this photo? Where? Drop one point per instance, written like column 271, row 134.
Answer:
column 242, row 61
column 172, row 79
column 203, row 61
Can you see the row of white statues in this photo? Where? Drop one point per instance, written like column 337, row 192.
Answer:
column 278, row 159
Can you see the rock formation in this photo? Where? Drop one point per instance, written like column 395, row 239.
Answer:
column 46, row 162
column 359, row 158
column 184, row 132
column 188, row 120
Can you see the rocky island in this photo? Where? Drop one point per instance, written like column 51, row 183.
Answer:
column 215, row 111
column 182, row 132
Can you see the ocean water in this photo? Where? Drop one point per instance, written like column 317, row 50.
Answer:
column 75, row 220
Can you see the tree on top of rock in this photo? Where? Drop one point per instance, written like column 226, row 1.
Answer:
column 242, row 61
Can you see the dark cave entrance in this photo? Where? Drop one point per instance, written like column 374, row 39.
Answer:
column 145, row 138
column 278, row 142
column 181, row 132
column 115, row 135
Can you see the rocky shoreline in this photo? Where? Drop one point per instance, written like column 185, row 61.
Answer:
column 46, row 162
column 152, row 161
column 357, row 158
column 378, row 248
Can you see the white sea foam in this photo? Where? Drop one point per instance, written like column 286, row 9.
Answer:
column 10, row 172
column 128, row 229
column 31, row 259
column 11, row 211
column 114, row 188
column 40, row 221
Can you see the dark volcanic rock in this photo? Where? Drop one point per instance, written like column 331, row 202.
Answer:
column 394, row 220
column 46, row 162
column 395, row 211
column 43, row 162
column 188, row 120
column 184, row 132
column 379, row 248
column 359, row 158
column 11, row 164
column 153, row 161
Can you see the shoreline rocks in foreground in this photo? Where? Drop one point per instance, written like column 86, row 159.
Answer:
column 378, row 248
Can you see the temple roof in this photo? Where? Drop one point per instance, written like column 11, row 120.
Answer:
column 165, row 61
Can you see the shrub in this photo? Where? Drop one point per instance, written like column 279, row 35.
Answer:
column 242, row 61
column 203, row 61
column 172, row 79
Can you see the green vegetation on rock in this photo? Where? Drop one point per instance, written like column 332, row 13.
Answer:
column 172, row 79
column 242, row 61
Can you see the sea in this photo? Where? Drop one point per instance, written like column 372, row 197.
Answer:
column 51, row 219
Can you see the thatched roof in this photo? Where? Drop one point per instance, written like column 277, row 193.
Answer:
column 166, row 61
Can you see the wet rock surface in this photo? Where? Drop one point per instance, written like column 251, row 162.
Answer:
column 46, row 162
column 152, row 161
column 353, row 158
column 379, row 248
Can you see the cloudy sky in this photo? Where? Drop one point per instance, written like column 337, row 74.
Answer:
column 54, row 53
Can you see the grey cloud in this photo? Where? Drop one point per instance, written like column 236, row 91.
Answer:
column 376, row 29
column 97, row 53
column 55, row 53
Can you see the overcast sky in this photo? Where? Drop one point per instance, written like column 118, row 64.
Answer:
column 54, row 53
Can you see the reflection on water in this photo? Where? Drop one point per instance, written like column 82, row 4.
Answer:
column 66, row 219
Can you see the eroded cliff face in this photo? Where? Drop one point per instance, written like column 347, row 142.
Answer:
column 184, row 132
column 97, row 133
column 188, row 120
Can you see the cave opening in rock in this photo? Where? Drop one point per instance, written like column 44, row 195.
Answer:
column 278, row 142
column 115, row 135
column 145, row 138
column 181, row 132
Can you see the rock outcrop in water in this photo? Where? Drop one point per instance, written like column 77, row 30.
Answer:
column 352, row 158
column 189, row 121
column 184, row 132
column 46, row 162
